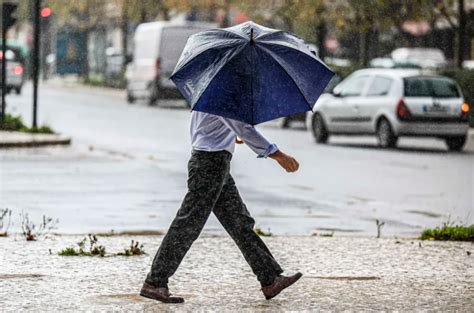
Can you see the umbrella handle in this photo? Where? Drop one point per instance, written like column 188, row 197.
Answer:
column 251, row 35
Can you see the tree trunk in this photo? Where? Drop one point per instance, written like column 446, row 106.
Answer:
column 321, row 32
column 124, row 31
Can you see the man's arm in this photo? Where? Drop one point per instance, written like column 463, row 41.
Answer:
column 260, row 145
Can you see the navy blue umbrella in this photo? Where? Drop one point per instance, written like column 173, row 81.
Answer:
column 250, row 73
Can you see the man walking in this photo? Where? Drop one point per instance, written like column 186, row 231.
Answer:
column 211, row 188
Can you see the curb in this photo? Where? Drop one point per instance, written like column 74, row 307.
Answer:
column 24, row 140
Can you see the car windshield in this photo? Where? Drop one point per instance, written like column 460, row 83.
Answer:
column 437, row 87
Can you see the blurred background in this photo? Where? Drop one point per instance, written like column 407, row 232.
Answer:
column 103, row 69
column 346, row 34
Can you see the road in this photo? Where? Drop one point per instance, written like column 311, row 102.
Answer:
column 126, row 170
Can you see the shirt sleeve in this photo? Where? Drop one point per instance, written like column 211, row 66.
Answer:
column 251, row 137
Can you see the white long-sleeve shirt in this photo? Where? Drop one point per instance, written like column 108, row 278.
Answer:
column 215, row 133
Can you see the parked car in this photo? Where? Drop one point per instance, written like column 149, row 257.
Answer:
column 285, row 122
column 157, row 48
column 15, row 70
column 427, row 58
column 391, row 103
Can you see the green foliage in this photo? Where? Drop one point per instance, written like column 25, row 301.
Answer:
column 465, row 79
column 135, row 249
column 69, row 252
column 449, row 233
column 94, row 248
column 326, row 235
column 15, row 123
column 99, row 81
column 263, row 233
column 12, row 123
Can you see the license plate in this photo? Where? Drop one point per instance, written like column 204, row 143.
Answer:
column 435, row 108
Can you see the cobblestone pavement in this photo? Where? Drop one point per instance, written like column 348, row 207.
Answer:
column 340, row 273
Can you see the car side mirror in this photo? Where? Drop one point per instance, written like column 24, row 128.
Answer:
column 336, row 92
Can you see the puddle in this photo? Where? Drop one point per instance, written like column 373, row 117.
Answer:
column 13, row 276
column 302, row 187
column 360, row 199
column 145, row 232
column 346, row 277
column 425, row 213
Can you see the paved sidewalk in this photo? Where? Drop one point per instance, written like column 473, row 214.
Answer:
column 340, row 273
column 18, row 139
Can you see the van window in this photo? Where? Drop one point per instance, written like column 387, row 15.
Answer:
column 172, row 44
column 380, row 86
column 437, row 87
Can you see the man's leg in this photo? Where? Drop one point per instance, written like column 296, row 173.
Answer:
column 207, row 174
column 236, row 219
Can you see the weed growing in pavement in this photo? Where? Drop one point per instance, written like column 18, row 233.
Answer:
column 5, row 219
column 449, row 232
column 380, row 225
column 31, row 232
column 263, row 233
column 94, row 248
column 135, row 249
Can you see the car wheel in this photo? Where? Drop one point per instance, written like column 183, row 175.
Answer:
column 285, row 122
column 130, row 98
column 456, row 143
column 319, row 129
column 385, row 135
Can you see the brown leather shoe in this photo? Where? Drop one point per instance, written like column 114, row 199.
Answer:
column 280, row 283
column 160, row 294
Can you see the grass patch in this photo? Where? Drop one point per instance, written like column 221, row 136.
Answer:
column 449, row 233
column 135, row 249
column 263, row 233
column 15, row 123
column 94, row 248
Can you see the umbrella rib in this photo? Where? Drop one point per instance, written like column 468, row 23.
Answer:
column 234, row 33
column 194, row 57
column 284, row 70
column 297, row 50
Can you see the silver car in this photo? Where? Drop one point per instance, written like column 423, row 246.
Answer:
column 390, row 103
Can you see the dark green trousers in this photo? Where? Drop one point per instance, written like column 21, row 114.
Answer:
column 211, row 188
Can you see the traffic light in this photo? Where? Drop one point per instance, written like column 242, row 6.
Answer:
column 8, row 15
column 46, row 12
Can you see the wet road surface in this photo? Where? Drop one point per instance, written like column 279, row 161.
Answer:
column 126, row 170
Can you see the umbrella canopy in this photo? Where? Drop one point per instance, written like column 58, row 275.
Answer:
column 250, row 73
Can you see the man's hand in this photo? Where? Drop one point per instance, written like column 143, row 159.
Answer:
column 285, row 161
column 238, row 141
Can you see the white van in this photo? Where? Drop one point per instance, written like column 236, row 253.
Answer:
column 157, row 48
